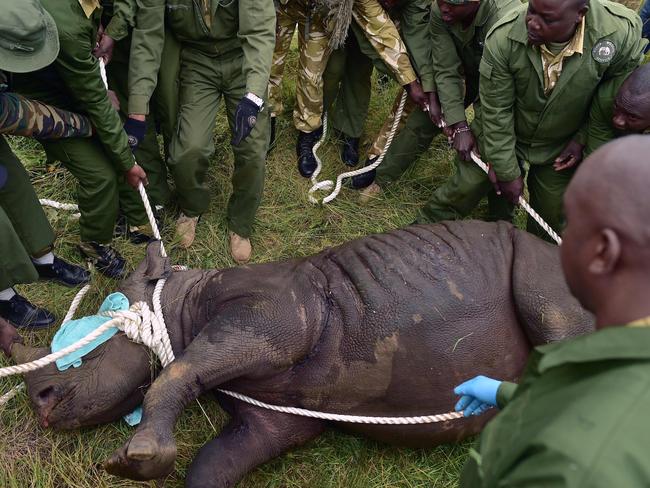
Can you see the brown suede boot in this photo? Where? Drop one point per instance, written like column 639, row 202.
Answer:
column 186, row 230
column 240, row 248
column 369, row 193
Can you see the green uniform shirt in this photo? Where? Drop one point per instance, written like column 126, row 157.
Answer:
column 148, row 38
column 519, row 121
column 211, row 26
column 122, row 17
column 73, row 82
column 456, row 54
column 578, row 419
column 414, row 18
column 601, row 130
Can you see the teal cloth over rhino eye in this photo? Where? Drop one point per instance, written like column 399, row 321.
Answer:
column 75, row 330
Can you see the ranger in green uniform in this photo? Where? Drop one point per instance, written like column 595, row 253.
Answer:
column 120, row 17
column 541, row 66
column 395, row 52
column 621, row 107
column 458, row 31
column 100, row 163
column 28, row 41
column 227, row 48
column 579, row 417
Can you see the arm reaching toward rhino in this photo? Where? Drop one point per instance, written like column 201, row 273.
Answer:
column 481, row 393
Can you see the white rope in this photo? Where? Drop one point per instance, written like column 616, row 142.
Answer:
column 355, row 419
column 328, row 184
column 524, row 204
column 61, row 206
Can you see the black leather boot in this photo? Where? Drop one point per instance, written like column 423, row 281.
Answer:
column 364, row 180
column 305, row 150
column 350, row 150
column 62, row 272
column 24, row 314
column 106, row 259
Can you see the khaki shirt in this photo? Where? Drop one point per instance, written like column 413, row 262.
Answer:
column 552, row 63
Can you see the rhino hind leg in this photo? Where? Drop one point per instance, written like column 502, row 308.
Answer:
column 253, row 437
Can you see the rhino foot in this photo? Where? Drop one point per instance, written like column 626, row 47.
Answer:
column 146, row 456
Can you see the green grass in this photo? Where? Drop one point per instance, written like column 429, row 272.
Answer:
column 288, row 225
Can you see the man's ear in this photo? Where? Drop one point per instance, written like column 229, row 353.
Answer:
column 582, row 12
column 608, row 253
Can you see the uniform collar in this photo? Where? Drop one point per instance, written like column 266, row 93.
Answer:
column 89, row 6
column 610, row 344
column 596, row 24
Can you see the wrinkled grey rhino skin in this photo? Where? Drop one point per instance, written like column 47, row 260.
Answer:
column 385, row 325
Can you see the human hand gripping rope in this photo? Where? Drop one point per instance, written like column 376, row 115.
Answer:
column 328, row 184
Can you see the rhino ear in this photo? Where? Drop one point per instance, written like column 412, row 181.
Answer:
column 157, row 266
column 153, row 267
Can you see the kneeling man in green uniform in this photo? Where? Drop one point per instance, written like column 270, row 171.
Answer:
column 579, row 416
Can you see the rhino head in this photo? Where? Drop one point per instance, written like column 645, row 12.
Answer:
column 112, row 379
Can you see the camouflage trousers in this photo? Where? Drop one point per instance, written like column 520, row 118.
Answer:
column 314, row 54
column 381, row 139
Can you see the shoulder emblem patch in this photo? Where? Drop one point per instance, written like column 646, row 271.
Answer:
column 603, row 51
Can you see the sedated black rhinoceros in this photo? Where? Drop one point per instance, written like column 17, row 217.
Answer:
column 385, row 325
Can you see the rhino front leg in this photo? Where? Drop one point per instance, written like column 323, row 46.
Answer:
column 216, row 356
column 253, row 437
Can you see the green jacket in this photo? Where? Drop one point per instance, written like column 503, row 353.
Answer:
column 73, row 82
column 456, row 54
column 579, row 419
column 601, row 130
column 519, row 121
column 214, row 27
column 121, row 15
column 146, row 53
column 413, row 17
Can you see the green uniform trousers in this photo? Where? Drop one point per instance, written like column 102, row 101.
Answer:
column 24, row 229
column 101, row 188
column 463, row 191
column 164, row 102
column 347, row 88
column 409, row 143
column 203, row 81
column 148, row 153
column 461, row 194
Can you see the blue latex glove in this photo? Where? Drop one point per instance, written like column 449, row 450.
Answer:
column 74, row 330
column 477, row 395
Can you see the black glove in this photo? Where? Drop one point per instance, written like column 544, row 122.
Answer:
column 3, row 176
column 135, row 129
column 245, row 120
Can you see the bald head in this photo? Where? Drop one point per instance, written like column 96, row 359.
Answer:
column 611, row 188
column 606, row 243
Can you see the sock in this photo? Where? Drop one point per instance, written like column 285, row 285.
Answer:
column 6, row 295
column 47, row 259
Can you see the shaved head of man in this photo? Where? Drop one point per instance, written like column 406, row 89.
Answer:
column 631, row 113
column 606, row 242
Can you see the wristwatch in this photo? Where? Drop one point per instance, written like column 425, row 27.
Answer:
column 255, row 99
